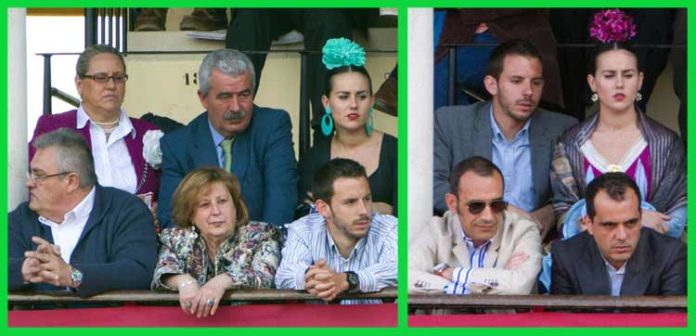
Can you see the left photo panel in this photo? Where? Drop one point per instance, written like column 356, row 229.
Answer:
column 202, row 167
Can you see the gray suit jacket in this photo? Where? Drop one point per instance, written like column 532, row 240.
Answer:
column 465, row 131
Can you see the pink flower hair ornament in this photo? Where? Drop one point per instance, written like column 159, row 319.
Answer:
column 612, row 25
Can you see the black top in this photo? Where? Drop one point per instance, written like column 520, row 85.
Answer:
column 383, row 182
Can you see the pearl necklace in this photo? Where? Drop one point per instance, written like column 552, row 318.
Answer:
column 108, row 126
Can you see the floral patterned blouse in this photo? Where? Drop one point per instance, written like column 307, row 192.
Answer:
column 250, row 257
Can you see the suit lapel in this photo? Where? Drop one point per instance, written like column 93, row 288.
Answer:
column 540, row 147
column 203, row 150
column 459, row 249
column 591, row 271
column 482, row 135
column 491, row 258
column 637, row 278
column 241, row 153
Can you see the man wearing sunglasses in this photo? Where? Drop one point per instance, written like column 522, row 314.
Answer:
column 509, row 130
column 478, row 246
column 74, row 234
column 616, row 255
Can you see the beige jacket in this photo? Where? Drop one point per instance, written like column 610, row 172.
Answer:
column 441, row 242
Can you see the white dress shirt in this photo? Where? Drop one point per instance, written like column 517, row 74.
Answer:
column 112, row 162
column 67, row 233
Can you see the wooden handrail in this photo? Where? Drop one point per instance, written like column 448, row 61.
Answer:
column 421, row 301
column 259, row 295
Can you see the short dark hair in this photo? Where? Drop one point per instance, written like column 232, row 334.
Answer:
column 479, row 165
column 322, row 186
column 345, row 69
column 86, row 57
column 519, row 47
column 614, row 184
column 601, row 48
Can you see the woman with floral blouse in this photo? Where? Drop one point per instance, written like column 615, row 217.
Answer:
column 214, row 246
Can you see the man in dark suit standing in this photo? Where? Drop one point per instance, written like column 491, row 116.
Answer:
column 73, row 233
column 615, row 255
column 509, row 130
column 254, row 143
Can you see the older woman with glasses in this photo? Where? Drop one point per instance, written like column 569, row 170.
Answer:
column 123, row 148
column 214, row 246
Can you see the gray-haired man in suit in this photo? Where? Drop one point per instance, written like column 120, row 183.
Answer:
column 509, row 130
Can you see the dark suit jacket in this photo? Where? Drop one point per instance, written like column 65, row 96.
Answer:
column 465, row 131
column 116, row 250
column 262, row 158
column 657, row 267
column 147, row 177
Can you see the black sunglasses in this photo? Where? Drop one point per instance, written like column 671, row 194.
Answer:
column 477, row 207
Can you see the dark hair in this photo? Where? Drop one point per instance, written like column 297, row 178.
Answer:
column 479, row 165
column 614, row 184
column 86, row 57
column 519, row 47
column 601, row 48
column 322, row 186
column 72, row 154
column 344, row 69
column 198, row 181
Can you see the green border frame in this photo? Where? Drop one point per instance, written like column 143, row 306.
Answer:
column 403, row 6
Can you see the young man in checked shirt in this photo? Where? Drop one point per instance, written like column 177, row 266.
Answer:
column 343, row 247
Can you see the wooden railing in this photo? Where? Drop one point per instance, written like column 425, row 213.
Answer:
column 551, row 302
column 241, row 295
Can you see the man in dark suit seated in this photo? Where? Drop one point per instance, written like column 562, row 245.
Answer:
column 73, row 233
column 254, row 143
column 509, row 130
column 615, row 255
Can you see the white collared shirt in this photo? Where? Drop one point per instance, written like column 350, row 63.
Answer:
column 67, row 233
column 112, row 162
column 616, row 277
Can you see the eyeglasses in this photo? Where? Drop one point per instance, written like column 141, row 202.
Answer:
column 477, row 207
column 33, row 177
column 104, row 78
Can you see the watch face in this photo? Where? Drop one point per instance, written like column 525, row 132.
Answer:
column 76, row 276
column 352, row 280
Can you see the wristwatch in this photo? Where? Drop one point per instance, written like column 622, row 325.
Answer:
column 353, row 281
column 76, row 277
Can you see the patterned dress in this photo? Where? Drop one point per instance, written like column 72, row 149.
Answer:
column 250, row 257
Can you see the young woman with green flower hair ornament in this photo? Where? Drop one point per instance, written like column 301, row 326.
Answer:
column 348, row 101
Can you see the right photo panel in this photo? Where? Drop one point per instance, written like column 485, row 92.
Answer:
column 552, row 159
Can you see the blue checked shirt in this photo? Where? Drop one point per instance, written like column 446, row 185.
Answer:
column 374, row 258
column 460, row 275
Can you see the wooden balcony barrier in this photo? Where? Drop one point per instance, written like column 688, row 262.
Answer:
column 551, row 302
column 142, row 296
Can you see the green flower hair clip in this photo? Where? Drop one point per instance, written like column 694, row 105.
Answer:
column 340, row 52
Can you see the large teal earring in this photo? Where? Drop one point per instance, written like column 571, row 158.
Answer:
column 327, row 122
column 369, row 125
